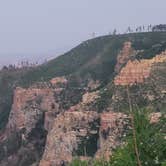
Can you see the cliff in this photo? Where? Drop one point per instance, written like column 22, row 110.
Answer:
column 113, row 128
column 125, row 54
column 32, row 114
column 29, row 104
column 77, row 130
column 69, row 129
column 137, row 71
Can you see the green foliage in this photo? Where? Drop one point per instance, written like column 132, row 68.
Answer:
column 8, row 81
column 102, row 66
column 150, row 141
column 164, row 163
column 145, row 41
column 82, row 59
column 67, row 63
column 77, row 162
column 88, row 145
column 102, row 103
column 152, row 51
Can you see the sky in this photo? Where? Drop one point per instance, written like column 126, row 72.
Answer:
column 38, row 29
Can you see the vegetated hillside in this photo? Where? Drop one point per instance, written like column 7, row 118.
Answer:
column 94, row 58
column 101, row 52
column 88, row 105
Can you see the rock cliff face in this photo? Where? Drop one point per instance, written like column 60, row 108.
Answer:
column 81, row 132
column 76, row 131
column 69, row 129
column 29, row 105
column 58, row 81
column 32, row 114
column 137, row 71
column 125, row 54
column 113, row 127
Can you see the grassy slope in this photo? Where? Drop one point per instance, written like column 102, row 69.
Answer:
column 106, row 47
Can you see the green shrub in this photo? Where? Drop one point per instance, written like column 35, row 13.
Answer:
column 150, row 142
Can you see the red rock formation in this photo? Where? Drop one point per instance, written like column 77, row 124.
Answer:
column 137, row 71
column 28, row 106
column 112, row 130
column 32, row 110
column 65, row 136
column 124, row 55
column 87, row 98
column 58, row 81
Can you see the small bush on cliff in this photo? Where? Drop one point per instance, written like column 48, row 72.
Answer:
column 104, row 100
column 77, row 162
column 150, row 142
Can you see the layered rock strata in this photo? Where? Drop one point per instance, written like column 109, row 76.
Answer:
column 63, row 140
column 28, row 107
column 113, row 128
column 125, row 54
column 138, row 70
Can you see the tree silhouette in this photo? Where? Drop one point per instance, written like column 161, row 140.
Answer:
column 114, row 32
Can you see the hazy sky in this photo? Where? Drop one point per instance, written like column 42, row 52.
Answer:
column 35, row 29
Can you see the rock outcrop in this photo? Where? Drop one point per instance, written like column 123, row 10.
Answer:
column 113, row 128
column 69, row 129
column 29, row 106
column 155, row 117
column 87, row 99
column 125, row 54
column 32, row 114
column 58, row 81
column 138, row 70
column 92, row 85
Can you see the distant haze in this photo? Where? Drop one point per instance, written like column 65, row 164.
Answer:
column 39, row 29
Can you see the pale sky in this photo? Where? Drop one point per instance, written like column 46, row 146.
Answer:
column 35, row 29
